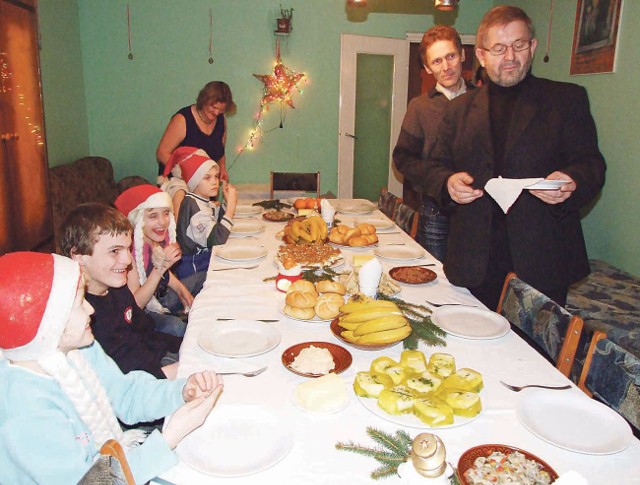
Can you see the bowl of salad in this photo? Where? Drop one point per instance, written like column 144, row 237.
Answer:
column 502, row 464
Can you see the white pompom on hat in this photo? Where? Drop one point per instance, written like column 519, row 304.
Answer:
column 194, row 169
column 37, row 292
column 178, row 155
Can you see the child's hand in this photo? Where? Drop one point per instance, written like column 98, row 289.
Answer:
column 200, row 384
column 190, row 416
column 172, row 253
column 163, row 258
column 230, row 194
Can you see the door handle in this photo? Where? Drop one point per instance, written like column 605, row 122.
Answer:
column 351, row 136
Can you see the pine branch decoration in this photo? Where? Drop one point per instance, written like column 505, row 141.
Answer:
column 394, row 450
column 419, row 317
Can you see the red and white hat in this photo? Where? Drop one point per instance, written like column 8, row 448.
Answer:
column 37, row 292
column 177, row 156
column 194, row 168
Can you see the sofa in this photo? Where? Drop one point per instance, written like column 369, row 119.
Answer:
column 88, row 179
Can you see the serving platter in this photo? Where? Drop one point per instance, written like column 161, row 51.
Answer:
column 336, row 329
column 559, row 418
column 239, row 338
column 355, row 206
column 468, row 458
column 412, row 275
column 342, row 358
column 235, row 441
column 470, row 322
column 277, row 216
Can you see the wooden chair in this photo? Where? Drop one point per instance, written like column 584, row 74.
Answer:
column 111, row 468
column 388, row 203
column 295, row 181
column 611, row 375
column 547, row 324
column 406, row 219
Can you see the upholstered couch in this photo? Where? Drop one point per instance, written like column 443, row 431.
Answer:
column 89, row 179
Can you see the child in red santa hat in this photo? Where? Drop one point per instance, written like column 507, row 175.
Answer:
column 202, row 223
column 61, row 393
column 174, row 185
column 155, row 251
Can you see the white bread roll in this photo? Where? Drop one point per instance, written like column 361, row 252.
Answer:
column 329, row 286
column 303, row 286
column 328, row 305
column 301, row 313
column 301, row 299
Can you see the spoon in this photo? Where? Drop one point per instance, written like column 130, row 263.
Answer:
column 449, row 304
column 252, row 373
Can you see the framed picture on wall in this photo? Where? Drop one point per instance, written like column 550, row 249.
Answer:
column 595, row 36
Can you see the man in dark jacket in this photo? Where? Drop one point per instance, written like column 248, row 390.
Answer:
column 515, row 126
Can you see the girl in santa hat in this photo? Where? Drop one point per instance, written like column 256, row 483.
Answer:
column 155, row 251
column 61, row 394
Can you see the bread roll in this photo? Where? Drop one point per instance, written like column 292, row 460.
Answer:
column 329, row 286
column 304, row 286
column 358, row 241
column 366, row 228
column 371, row 238
column 301, row 313
column 328, row 305
column 342, row 229
column 299, row 299
column 335, row 236
column 351, row 233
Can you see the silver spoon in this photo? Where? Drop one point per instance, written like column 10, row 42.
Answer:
column 237, row 267
column 252, row 373
column 449, row 304
column 520, row 388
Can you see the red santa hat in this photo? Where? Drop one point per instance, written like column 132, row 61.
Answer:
column 194, row 168
column 37, row 292
column 177, row 156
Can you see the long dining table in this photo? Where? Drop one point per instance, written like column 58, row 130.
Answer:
column 250, row 294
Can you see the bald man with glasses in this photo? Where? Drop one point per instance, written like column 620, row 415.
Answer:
column 515, row 126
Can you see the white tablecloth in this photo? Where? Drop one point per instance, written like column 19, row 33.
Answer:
column 313, row 458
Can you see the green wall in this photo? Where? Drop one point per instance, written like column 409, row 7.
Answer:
column 63, row 90
column 611, row 228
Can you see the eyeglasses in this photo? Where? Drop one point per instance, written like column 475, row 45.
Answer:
column 501, row 49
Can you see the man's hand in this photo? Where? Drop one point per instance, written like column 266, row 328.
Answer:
column 556, row 196
column 460, row 189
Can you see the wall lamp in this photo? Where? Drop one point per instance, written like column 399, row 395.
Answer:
column 446, row 5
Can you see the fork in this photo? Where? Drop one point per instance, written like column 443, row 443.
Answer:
column 449, row 304
column 237, row 267
column 520, row 388
column 252, row 373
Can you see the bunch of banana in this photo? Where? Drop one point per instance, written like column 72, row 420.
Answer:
column 308, row 231
column 374, row 322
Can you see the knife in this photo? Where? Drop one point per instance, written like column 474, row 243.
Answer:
column 264, row 320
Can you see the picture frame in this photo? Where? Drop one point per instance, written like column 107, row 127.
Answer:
column 595, row 36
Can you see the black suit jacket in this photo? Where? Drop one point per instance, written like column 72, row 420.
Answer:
column 551, row 129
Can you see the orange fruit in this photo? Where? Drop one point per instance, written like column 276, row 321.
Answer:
column 300, row 203
column 310, row 203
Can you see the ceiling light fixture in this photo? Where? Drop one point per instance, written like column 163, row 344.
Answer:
column 357, row 3
column 446, row 5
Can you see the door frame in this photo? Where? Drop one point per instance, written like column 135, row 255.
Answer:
column 350, row 46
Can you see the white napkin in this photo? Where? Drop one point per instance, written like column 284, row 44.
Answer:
column 571, row 478
column 293, row 271
column 506, row 191
column 369, row 277
column 328, row 211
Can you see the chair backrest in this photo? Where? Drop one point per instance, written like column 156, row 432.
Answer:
column 111, row 468
column 550, row 326
column 295, row 181
column 388, row 203
column 406, row 219
column 611, row 374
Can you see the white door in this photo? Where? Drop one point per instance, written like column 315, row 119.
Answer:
column 384, row 64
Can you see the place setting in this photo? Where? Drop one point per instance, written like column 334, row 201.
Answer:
column 244, row 211
column 246, row 227
column 242, row 251
column 399, row 252
column 239, row 338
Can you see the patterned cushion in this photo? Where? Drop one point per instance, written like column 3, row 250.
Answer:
column 614, row 378
column 607, row 300
column 405, row 219
column 539, row 317
column 388, row 203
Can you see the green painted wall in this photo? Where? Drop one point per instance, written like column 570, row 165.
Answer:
column 611, row 228
column 63, row 91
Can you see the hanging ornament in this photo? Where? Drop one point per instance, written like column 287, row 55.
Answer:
column 210, row 36
column 280, row 85
column 130, row 56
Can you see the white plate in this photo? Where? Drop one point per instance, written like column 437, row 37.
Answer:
column 469, row 322
column 343, row 405
column 247, row 227
column 381, row 225
column 355, row 206
column 409, row 419
column 315, row 319
column 239, row 338
column 547, row 185
column 240, row 252
column 243, row 211
column 399, row 252
column 236, row 441
column 570, row 420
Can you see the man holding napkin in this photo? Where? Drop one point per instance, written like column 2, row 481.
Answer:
column 516, row 126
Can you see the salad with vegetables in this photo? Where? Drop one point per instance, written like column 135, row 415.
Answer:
column 506, row 468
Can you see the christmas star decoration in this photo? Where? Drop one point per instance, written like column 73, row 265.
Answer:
column 280, row 85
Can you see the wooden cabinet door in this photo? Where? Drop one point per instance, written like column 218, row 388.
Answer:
column 25, row 220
